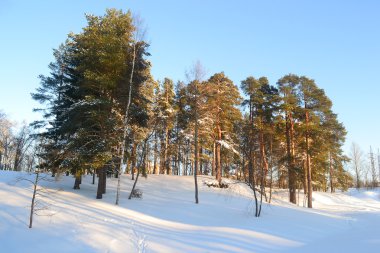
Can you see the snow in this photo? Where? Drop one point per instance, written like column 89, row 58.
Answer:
column 167, row 220
column 228, row 146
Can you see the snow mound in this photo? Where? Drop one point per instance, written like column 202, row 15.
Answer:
column 373, row 194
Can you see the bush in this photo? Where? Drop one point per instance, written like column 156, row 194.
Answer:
column 216, row 184
column 137, row 193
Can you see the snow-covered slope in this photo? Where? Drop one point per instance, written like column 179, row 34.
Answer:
column 167, row 220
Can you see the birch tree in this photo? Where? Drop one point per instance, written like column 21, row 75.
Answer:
column 137, row 41
column 195, row 75
column 356, row 156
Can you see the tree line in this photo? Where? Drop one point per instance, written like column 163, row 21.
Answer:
column 17, row 149
column 103, row 112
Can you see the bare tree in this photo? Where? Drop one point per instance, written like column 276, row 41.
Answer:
column 22, row 143
column 378, row 162
column 196, row 74
column 32, row 205
column 373, row 168
column 141, row 164
column 6, row 142
column 139, row 35
column 36, row 206
column 356, row 159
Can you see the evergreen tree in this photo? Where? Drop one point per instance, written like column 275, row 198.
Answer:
column 89, row 94
column 262, row 103
column 289, row 103
column 167, row 116
column 222, row 100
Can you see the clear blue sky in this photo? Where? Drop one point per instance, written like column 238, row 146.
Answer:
column 337, row 43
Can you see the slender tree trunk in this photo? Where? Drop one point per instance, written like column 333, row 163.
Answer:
column 270, row 185
column 332, row 189
column 262, row 171
column 200, row 161
column 290, row 157
column 218, row 163
column 378, row 162
column 357, row 170
column 251, row 161
column 129, row 164
column 196, row 154
column 373, row 169
column 104, row 182
column 253, row 181
column 271, row 168
column 155, row 170
column 179, row 155
column 33, row 200
column 213, row 159
column 178, row 160
column 126, row 118
column 145, row 161
column 304, row 180
column 308, row 166
column 134, row 184
column 133, row 160
column 141, row 163
column 162, row 154
column 264, row 164
column 186, row 162
column 166, row 158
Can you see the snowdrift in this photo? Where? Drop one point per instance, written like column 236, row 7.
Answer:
column 167, row 220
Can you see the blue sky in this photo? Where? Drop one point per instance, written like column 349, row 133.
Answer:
column 337, row 43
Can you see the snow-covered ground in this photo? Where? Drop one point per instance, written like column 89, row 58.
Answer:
column 167, row 220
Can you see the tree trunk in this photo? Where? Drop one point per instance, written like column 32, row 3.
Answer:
column 251, row 161
column 178, row 155
column 142, row 162
column 126, row 119
column 213, row 159
column 104, row 183
column 33, row 200
column 166, row 158
column 308, row 166
column 155, row 171
column 133, row 162
column 290, row 158
column 99, row 193
column 218, row 163
column 185, row 163
column 196, row 160
column 252, row 182
column 200, row 161
column 196, row 151
column 146, row 152
column 304, row 179
column 263, row 169
column 78, row 177
column 332, row 189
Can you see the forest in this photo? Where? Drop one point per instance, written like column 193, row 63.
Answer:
column 105, row 114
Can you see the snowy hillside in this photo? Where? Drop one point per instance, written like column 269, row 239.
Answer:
column 167, row 220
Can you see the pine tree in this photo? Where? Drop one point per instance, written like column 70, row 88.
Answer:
column 167, row 117
column 93, row 90
column 222, row 100
column 262, row 103
column 288, row 90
